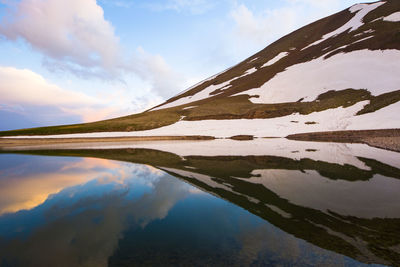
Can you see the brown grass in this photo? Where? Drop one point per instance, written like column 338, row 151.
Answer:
column 242, row 137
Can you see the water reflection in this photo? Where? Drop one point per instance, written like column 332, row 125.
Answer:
column 29, row 182
column 88, row 209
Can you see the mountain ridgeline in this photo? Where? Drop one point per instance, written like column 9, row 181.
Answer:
column 339, row 73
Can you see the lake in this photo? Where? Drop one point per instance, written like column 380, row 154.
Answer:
column 265, row 202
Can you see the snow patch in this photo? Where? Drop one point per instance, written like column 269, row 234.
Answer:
column 339, row 48
column 377, row 71
column 203, row 81
column 190, row 167
column 200, row 177
column 337, row 153
column 248, row 72
column 205, row 93
column 275, row 59
column 194, row 86
column 254, row 59
column 190, row 107
column 363, row 39
column 279, row 211
column 345, row 46
column 385, row 118
column 364, row 32
column 327, row 120
column 353, row 24
column 395, row 17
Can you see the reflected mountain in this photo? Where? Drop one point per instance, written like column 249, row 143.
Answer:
column 349, row 208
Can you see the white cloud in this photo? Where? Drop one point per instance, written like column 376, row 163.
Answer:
column 329, row 5
column 71, row 31
column 317, row 3
column 153, row 69
column 191, row 6
column 24, row 91
column 118, row 3
column 27, row 93
column 166, row 192
column 74, row 37
column 263, row 27
column 22, row 86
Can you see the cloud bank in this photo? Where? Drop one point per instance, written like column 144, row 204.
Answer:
column 74, row 37
column 187, row 6
column 72, row 31
column 28, row 94
column 22, row 86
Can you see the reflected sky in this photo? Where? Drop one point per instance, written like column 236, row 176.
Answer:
column 70, row 211
column 26, row 181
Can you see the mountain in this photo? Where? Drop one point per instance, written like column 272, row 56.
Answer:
column 339, row 73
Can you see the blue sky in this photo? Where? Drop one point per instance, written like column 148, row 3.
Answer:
column 71, row 61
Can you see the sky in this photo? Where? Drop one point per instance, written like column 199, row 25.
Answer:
column 73, row 61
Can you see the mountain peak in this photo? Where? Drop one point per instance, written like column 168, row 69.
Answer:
column 354, row 29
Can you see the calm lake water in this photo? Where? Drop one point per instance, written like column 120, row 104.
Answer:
column 218, row 203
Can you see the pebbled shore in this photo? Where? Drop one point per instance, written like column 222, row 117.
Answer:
column 6, row 143
column 388, row 143
column 388, row 139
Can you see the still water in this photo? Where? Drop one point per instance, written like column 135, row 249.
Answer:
column 218, row 203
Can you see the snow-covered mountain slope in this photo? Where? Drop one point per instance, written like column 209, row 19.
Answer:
column 339, row 73
column 357, row 48
column 328, row 120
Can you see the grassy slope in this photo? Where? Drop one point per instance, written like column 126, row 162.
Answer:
column 223, row 108
column 136, row 122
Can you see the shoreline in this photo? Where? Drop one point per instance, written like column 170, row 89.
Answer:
column 388, row 139
column 9, row 142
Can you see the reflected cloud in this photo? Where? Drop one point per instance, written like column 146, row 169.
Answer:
column 156, row 204
column 91, row 163
column 24, row 191
column 84, row 222
column 29, row 192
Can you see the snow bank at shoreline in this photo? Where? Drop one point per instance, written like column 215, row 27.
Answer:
column 327, row 120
